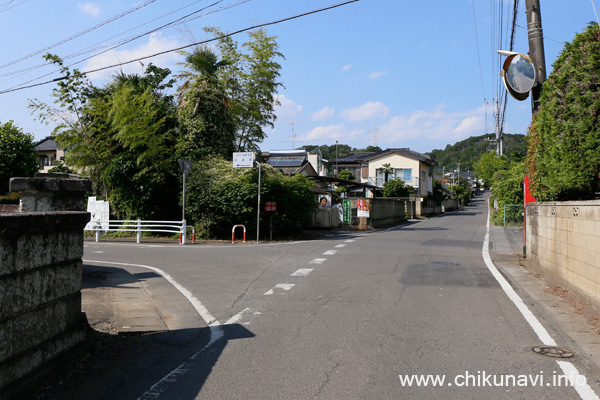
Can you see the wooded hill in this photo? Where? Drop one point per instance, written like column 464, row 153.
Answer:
column 468, row 151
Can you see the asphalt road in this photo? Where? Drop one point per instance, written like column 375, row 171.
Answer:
column 348, row 316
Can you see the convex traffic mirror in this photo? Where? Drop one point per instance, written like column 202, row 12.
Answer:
column 518, row 73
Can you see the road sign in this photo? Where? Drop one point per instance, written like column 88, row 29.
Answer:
column 270, row 206
column 243, row 160
column 185, row 166
column 347, row 211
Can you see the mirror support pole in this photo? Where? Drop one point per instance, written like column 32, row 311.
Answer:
column 536, row 49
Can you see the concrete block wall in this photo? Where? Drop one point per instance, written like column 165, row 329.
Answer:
column 562, row 244
column 40, row 275
column 40, row 289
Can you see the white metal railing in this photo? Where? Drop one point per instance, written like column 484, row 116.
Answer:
column 140, row 226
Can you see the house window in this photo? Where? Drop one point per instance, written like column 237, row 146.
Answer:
column 403, row 174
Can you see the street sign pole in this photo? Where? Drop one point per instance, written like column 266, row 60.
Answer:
column 185, row 166
column 258, row 209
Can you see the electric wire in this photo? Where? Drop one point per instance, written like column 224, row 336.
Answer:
column 111, row 46
column 594, row 6
column 179, row 21
column 189, row 45
column 478, row 52
column 5, row 6
column 35, row 53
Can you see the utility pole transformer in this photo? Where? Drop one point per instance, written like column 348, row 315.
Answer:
column 536, row 50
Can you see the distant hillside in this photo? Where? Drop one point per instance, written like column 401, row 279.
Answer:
column 468, row 151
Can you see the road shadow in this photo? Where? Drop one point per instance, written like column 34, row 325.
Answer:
column 126, row 366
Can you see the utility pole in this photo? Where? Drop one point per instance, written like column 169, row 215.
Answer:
column 499, row 134
column 293, row 135
column 536, row 50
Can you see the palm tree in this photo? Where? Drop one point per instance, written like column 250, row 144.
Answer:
column 385, row 169
column 202, row 66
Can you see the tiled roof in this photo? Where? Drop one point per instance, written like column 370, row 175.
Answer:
column 351, row 158
column 46, row 144
column 404, row 152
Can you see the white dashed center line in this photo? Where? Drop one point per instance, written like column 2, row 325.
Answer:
column 282, row 287
column 302, row 272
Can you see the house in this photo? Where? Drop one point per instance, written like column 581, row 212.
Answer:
column 48, row 153
column 414, row 168
column 290, row 162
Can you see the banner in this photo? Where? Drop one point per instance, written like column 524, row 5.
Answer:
column 364, row 208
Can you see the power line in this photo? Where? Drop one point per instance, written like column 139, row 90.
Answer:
column 35, row 53
column 178, row 21
column 189, row 45
column 99, row 46
column 478, row 56
column 6, row 5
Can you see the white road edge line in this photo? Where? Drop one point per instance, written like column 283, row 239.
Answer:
column 216, row 332
column 583, row 389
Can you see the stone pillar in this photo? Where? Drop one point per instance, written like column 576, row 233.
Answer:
column 51, row 192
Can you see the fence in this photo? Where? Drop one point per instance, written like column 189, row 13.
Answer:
column 140, row 226
column 513, row 214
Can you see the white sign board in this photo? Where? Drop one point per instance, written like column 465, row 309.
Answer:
column 100, row 211
column 243, row 160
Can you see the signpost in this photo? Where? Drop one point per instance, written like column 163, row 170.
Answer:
column 271, row 207
column 347, row 207
column 185, row 166
column 247, row 160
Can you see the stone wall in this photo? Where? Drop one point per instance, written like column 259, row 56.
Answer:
column 562, row 244
column 40, row 279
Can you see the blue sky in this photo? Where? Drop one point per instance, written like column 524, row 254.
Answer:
column 391, row 73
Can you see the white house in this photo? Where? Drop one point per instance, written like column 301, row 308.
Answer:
column 414, row 168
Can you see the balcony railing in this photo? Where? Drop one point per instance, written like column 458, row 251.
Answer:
column 379, row 181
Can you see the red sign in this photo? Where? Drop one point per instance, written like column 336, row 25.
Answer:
column 270, row 206
column 527, row 197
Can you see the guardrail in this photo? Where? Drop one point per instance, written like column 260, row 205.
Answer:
column 140, row 226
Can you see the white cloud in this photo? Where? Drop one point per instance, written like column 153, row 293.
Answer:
column 378, row 74
column 287, row 107
column 155, row 44
column 322, row 133
column 323, row 113
column 346, row 67
column 366, row 111
column 470, row 124
column 433, row 126
column 91, row 9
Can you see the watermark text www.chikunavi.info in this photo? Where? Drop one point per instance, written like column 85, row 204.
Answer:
column 483, row 379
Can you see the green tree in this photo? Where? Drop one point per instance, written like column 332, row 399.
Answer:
column 205, row 113
column 17, row 154
column 59, row 166
column 386, row 170
column 461, row 191
column 122, row 136
column 84, row 146
column 250, row 78
column 221, row 196
column 347, row 175
column 563, row 158
column 488, row 164
column 397, row 188
column 508, row 189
